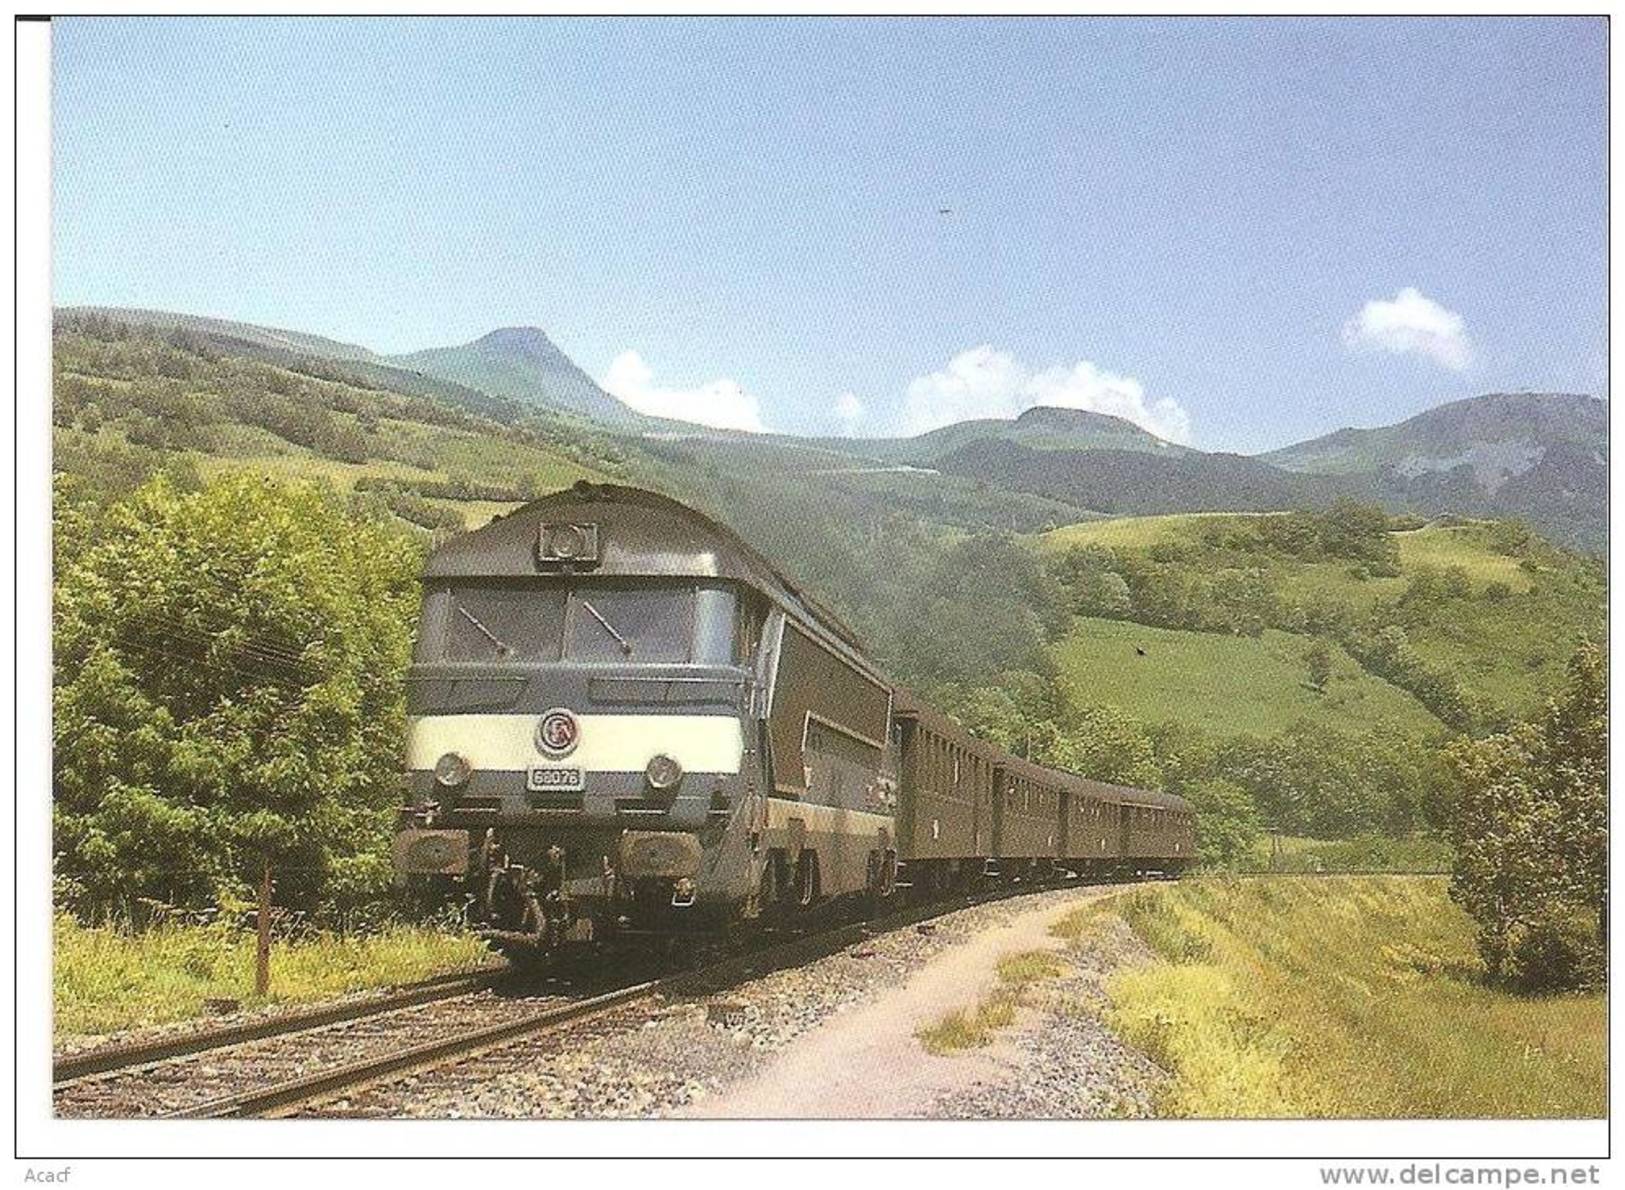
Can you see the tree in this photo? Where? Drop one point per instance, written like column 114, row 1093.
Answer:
column 1226, row 821
column 1100, row 742
column 229, row 687
column 1531, row 836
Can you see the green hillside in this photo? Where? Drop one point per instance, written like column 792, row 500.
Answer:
column 1484, row 603
column 1226, row 684
column 134, row 402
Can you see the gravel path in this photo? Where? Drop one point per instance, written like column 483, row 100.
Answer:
column 676, row 1055
column 1059, row 1060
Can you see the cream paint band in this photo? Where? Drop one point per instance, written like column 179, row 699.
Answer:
column 824, row 819
column 609, row 743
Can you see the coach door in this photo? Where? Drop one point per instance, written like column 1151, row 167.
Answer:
column 1063, row 847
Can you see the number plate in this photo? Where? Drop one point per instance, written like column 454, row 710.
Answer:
column 550, row 780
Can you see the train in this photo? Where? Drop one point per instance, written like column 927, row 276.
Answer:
column 623, row 721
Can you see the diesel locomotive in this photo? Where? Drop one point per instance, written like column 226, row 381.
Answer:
column 622, row 719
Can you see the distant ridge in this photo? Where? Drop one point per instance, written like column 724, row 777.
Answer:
column 246, row 332
column 1042, row 427
column 523, row 364
column 1498, row 435
column 1542, row 457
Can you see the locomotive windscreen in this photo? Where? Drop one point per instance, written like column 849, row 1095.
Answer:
column 581, row 622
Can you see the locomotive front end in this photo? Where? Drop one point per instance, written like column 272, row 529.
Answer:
column 580, row 758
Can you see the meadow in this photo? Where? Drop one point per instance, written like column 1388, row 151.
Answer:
column 1226, row 684
column 108, row 979
column 1504, row 635
column 1342, row 997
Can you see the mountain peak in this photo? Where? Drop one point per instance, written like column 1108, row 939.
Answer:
column 519, row 340
column 1067, row 417
column 522, row 364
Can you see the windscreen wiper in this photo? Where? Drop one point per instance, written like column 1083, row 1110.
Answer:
column 497, row 642
column 626, row 645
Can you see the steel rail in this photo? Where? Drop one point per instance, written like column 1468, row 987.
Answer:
column 323, row 1084
column 108, row 1059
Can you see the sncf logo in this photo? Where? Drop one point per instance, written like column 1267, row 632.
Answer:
column 558, row 732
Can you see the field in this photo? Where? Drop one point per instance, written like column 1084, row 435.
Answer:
column 1436, row 546
column 1344, row 997
column 458, row 454
column 1131, row 532
column 1506, row 639
column 1226, row 684
column 108, row 979
column 1467, row 546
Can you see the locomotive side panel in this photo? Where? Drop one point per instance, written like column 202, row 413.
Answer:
column 814, row 686
column 830, row 815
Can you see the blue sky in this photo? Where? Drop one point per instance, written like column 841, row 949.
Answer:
column 1238, row 233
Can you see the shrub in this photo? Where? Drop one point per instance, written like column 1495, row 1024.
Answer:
column 229, row 689
column 1530, row 829
column 1558, row 949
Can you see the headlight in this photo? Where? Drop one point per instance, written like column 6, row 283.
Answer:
column 663, row 772
column 451, row 770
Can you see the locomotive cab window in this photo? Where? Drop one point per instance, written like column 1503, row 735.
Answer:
column 592, row 623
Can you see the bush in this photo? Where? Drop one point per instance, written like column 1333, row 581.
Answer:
column 228, row 689
column 1530, row 829
column 1226, row 821
column 1558, row 949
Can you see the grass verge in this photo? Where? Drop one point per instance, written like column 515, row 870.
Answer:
column 108, row 979
column 1347, row 997
column 970, row 1028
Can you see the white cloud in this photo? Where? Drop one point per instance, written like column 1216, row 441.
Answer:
column 1411, row 322
column 723, row 404
column 849, row 409
column 986, row 382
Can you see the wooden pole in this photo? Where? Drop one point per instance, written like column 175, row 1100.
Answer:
column 262, row 957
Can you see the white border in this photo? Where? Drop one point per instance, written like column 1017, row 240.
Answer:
column 1521, row 1143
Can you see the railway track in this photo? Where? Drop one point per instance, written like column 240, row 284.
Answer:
column 109, row 1059
column 283, row 1098
column 323, row 1054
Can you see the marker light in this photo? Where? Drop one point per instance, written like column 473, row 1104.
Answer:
column 663, row 772
column 451, row 770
